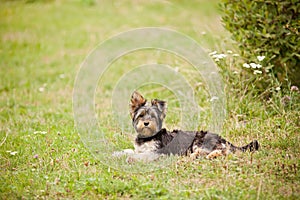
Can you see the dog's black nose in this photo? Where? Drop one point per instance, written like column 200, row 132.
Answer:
column 146, row 123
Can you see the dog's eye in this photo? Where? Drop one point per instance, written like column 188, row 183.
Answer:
column 142, row 114
column 153, row 114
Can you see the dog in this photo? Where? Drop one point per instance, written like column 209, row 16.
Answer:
column 153, row 141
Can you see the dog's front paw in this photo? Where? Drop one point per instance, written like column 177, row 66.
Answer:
column 198, row 152
column 122, row 153
column 144, row 157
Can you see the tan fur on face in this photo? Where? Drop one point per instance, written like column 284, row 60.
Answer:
column 146, row 131
column 147, row 118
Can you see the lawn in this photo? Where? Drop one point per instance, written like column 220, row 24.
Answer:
column 42, row 153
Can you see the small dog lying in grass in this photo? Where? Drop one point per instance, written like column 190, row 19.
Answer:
column 152, row 140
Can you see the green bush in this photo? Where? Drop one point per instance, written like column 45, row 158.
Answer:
column 267, row 28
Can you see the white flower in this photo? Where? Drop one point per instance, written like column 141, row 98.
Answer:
column 40, row 132
column 217, row 57
column 260, row 58
column 253, row 65
column 277, row 88
column 246, row 65
column 213, row 53
column 294, row 88
column 12, row 152
column 42, row 89
column 229, row 51
column 258, row 66
column 257, row 72
column 235, row 55
column 222, row 56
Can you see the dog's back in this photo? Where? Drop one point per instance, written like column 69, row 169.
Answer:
column 180, row 142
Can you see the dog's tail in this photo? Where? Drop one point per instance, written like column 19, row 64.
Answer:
column 252, row 146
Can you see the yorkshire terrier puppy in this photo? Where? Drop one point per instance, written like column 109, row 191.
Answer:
column 152, row 140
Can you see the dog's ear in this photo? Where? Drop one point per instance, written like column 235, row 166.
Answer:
column 161, row 105
column 137, row 100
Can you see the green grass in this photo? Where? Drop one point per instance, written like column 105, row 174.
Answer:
column 42, row 46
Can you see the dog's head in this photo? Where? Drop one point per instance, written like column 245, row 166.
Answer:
column 147, row 117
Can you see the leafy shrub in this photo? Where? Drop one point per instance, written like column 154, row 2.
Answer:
column 267, row 28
